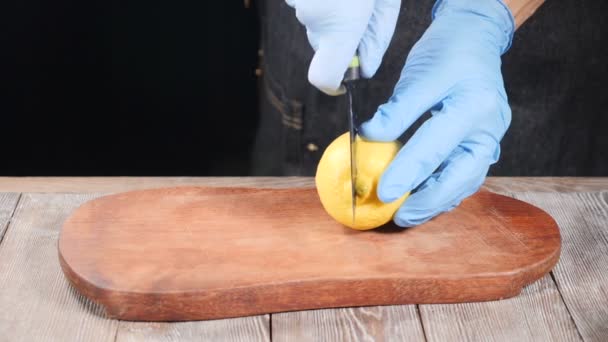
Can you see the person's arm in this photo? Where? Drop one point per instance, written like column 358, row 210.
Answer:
column 522, row 9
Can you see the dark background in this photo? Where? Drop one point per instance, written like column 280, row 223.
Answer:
column 153, row 88
column 127, row 87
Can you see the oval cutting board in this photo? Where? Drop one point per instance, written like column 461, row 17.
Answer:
column 202, row 253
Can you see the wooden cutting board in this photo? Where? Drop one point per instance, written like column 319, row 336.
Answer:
column 202, row 253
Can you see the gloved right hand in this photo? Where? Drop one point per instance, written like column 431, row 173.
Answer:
column 338, row 29
column 454, row 71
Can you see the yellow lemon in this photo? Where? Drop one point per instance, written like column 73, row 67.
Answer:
column 334, row 182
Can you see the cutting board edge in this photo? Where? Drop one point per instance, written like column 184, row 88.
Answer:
column 284, row 297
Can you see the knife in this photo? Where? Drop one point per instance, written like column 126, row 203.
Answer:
column 352, row 74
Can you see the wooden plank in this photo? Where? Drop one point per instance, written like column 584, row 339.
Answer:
column 43, row 307
column 37, row 303
column 378, row 323
column 546, row 184
column 118, row 184
column 8, row 202
column 580, row 290
column 582, row 273
column 246, row 329
column 538, row 314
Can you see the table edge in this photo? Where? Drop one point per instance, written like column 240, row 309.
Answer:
column 120, row 184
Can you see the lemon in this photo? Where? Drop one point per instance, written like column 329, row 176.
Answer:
column 333, row 182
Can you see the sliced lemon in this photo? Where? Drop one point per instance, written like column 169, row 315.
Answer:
column 333, row 182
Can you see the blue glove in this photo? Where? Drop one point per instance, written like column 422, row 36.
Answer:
column 454, row 71
column 337, row 29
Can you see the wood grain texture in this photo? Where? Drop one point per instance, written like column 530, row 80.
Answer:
column 377, row 323
column 582, row 273
column 248, row 329
column 538, row 314
column 120, row 184
column 37, row 302
column 8, row 202
column 546, row 184
column 203, row 253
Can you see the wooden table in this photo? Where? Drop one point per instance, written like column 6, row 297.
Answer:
column 570, row 304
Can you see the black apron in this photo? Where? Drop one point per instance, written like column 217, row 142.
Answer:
column 555, row 73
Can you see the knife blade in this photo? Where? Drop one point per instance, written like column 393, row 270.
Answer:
column 352, row 74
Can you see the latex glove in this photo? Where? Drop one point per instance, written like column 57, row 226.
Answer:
column 337, row 29
column 454, row 70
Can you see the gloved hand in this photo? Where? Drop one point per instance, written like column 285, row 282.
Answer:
column 453, row 70
column 336, row 29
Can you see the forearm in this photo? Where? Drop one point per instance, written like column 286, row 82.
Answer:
column 522, row 9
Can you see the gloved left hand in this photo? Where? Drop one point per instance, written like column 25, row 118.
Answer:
column 338, row 29
column 453, row 70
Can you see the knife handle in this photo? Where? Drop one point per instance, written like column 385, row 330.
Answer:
column 353, row 72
